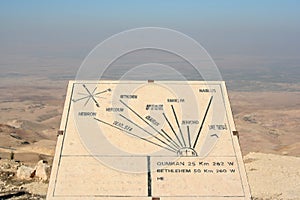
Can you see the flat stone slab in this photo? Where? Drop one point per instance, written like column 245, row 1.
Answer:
column 126, row 140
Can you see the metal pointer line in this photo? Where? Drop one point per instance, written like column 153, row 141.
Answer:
column 135, row 135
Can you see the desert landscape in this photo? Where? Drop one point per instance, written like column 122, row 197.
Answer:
column 268, row 122
column 254, row 44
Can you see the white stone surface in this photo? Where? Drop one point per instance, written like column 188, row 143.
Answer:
column 42, row 170
column 25, row 172
column 99, row 160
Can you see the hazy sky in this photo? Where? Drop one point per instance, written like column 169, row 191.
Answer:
column 237, row 32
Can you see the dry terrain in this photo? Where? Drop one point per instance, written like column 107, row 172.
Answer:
column 268, row 122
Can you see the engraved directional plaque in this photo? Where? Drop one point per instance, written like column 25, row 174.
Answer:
column 126, row 140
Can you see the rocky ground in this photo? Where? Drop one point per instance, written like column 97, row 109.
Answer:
column 273, row 176
column 15, row 185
